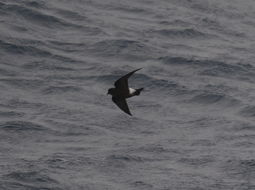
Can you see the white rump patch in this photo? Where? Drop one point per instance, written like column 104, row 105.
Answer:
column 131, row 91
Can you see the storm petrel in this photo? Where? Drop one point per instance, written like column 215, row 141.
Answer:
column 122, row 91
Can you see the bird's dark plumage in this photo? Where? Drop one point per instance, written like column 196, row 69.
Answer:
column 122, row 104
column 122, row 83
column 122, row 91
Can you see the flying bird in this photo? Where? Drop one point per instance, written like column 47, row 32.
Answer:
column 122, row 91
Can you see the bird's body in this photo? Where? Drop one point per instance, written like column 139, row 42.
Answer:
column 122, row 91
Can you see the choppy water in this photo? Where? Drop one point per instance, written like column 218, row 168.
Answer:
column 193, row 127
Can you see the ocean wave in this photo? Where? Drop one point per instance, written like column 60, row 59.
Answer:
column 121, row 47
column 67, row 46
column 202, row 63
column 20, row 103
column 142, row 185
column 125, row 158
column 71, row 15
column 244, row 127
column 248, row 111
column 39, row 4
column 2, row 12
column 21, row 126
column 198, row 162
column 114, row 161
column 129, row 9
column 42, row 65
column 68, row 160
column 60, row 89
column 31, row 177
column 203, row 142
column 242, row 168
column 17, row 48
column 154, row 148
column 11, row 114
column 23, row 186
column 36, row 49
column 211, row 67
column 121, row 7
column 211, row 98
column 72, row 129
column 37, row 17
column 32, row 180
column 23, row 83
column 169, row 60
column 180, row 33
column 223, row 69
column 7, row 72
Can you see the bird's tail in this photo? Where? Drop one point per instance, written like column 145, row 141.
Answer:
column 138, row 91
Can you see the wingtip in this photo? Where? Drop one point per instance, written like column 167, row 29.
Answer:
column 136, row 70
column 129, row 113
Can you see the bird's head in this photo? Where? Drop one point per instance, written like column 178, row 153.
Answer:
column 110, row 91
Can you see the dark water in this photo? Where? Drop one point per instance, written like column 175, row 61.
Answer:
column 193, row 127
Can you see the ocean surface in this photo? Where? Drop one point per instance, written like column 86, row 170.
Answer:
column 193, row 127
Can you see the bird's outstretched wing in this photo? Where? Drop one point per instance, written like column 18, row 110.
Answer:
column 122, row 104
column 122, row 83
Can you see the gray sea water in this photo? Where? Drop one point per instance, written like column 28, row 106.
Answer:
column 193, row 127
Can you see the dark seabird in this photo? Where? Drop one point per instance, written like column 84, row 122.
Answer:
column 121, row 92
